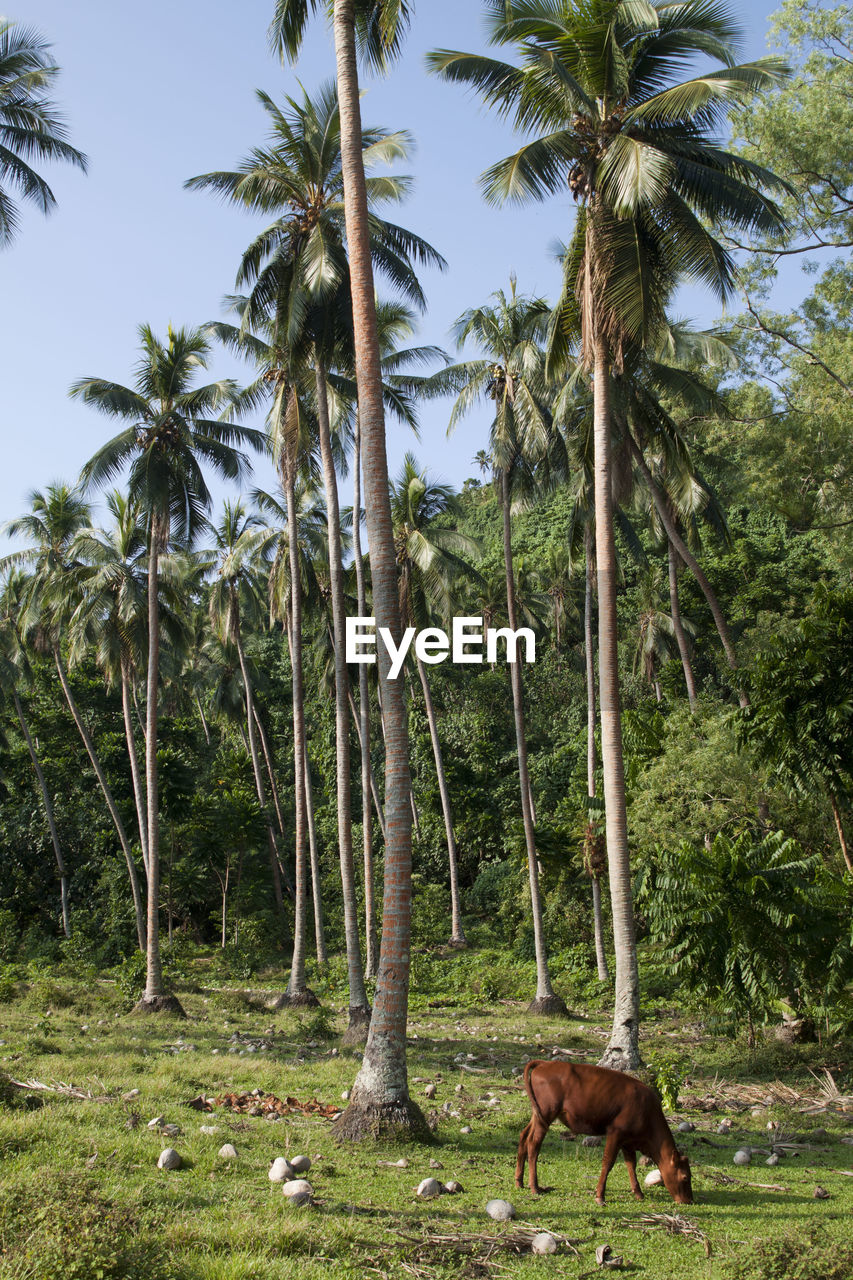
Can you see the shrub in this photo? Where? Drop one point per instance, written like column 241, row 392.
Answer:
column 795, row 1258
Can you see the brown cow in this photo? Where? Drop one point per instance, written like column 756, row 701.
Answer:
column 596, row 1100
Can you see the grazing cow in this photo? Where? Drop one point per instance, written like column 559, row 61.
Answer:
column 596, row 1100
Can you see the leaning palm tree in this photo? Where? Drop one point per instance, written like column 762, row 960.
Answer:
column 379, row 1100
column 48, row 599
column 429, row 559
column 509, row 331
column 167, row 437
column 30, row 126
column 13, row 668
column 596, row 85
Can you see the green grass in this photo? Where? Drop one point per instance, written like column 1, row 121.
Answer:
column 81, row 1196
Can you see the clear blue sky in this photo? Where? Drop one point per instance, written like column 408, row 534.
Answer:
column 155, row 93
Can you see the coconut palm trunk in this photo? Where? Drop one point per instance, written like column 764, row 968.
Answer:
column 457, row 933
column 622, row 1051
column 48, row 809
column 359, row 1006
column 368, row 784
column 298, row 992
column 546, row 1001
column 138, row 788
column 254, row 755
column 154, row 998
column 204, row 724
column 374, row 789
column 108, row 795
column 591, row 761
column 276, row 864
column 314, row 854
column 842, row 838
column 678, row 626
column 662, row 507
column 379, row 1101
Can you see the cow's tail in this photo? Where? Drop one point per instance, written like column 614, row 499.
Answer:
column 528, row 1084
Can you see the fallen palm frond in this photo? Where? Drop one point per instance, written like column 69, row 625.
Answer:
column 65, row 1090
column 674, row 1223
column 255, row 1104
column 830, row 1097
column 483, row 1249
column 724, row 1180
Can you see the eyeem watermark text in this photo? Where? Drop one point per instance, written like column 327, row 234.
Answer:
column 468, row 642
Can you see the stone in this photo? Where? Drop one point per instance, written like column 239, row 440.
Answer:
column 298, row 1191
column 402, row 1163
column 453, row 1188
column 466, row 1128
column 170, row 1130
column 429, row 1188
column 653, row 1179
column 591, row 1140
column 725, row 1126
column 227, row 1152
column 686, row 1127
column 459, row 1088
column 741, row 1157
column 436, row 1164
column 429, row 1091
column 345, row 1095
column 280, row 1170
column 821, row 1193
column 130, row 1095
column 169, row 1159
column 772, row 1160
column 156, row 1122
column 209, row 1129
column 300, row 1164
column 543, row 1243
column 500, row 1210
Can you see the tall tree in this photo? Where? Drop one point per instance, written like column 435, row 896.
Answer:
column 429, row 558
column 509, row 331
column 379, row 1100
column 167, row 437
column 597, row 86
column 48, row 601
column 30, row 126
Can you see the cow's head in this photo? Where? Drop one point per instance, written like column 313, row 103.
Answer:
column 678, row 1182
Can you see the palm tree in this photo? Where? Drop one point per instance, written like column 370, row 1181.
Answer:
column 241, row 541
column 13, row 667
column 509, row 331
column 429, row 558
column 48, row 600
column 636, row 149
column 167, row 437
column 379, row 1100
column 655, row 629
column 299, row 179
column 30, row 125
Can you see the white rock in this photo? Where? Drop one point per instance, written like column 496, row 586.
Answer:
column 436, row 1164
column 429, row 1188
column 280, row 1170
column 653, row 1179
column 300, row 1164
column 345, row 1095
column 773, row 1160
column 227, row 1152
column 686, row 1127
column 500, row 1210
column 741, row 1157
column 156, row 1122
column 169, row 1159
column 453, row 1188
column 402, row 1163
column 209, row 1129
column 543, row 1243
column 298, row 1191
column 429, row 1091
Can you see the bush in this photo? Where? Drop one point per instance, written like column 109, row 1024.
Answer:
column 667, row 1073
column 795, row 1258
column 130, row 978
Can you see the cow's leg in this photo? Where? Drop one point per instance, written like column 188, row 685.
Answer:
column 631, row 1161
column 534, row 1142
column 522, row 1153
column 611, row 1151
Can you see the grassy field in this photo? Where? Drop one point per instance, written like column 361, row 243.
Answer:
column 81, row 1196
